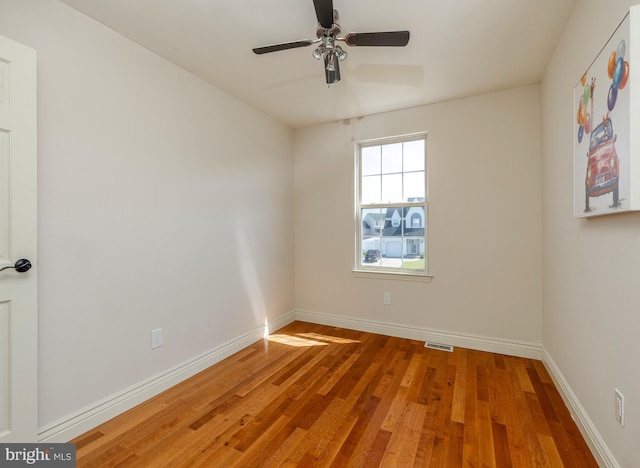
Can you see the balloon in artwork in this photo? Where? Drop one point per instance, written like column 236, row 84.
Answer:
column 621, row 50
column 578, row 114
column 618, row 72
column 625, row 76
column 612, row 97
column 612, row 64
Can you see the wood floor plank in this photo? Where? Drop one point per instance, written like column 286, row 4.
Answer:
column 338, row 374
column 343, row 414
column 112, row 430
column 519, row 423
column 459, row 389
column 405, row 432
column 279, row 455
column 542, row 396
column 486, row 445
column 267, row 442
column 314, row 395
column 368, row 414
column 542, row 371
column 365, row 436
column 363, row 406
column 440, row 419
column 378, row 449
column 501, row 445
column 425, row 448
column 537, row 416
column 481, row 383
column 412, row 374
column 551, row 451
column 456, row 444
column 471, row 442
column 408, row 435
column 498, row 393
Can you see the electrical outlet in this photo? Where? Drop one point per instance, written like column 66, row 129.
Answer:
column 619, row 407
column 156, row 338
column 387, row 298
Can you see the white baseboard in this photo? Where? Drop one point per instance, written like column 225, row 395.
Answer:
column 89, row 417
column 480, row 343
column 599, row 449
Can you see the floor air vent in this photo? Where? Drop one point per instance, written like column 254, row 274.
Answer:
column 441, row 347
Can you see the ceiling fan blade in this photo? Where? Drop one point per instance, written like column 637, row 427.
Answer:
column 324, row 12
column 381, row 39
column 283, row 46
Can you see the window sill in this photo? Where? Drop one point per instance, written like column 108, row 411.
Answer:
column 401, row 276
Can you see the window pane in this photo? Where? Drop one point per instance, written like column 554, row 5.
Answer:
column 414, row 221
column 414, row 186
column 371, row 189
column 393, row 219
column 370, row 160
column 391, row 241
column 392, row 158
column 391, row 188
column 413, row 255
column 372, row 224
column 392, row 252
column 413, row 156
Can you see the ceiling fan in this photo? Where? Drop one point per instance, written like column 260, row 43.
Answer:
column 328, row 33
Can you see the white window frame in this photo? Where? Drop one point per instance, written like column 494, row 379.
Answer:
column 361, row 270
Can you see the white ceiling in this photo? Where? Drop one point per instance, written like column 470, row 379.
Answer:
column 457, row 48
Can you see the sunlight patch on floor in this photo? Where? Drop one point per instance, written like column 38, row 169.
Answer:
column 308, row 339
column 331, row 339
column 296, row 341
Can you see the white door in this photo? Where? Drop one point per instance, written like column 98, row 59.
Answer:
column 18, row 217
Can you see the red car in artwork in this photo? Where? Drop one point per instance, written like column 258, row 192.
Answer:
column 603, row 167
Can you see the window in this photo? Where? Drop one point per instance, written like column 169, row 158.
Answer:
column 391, row 206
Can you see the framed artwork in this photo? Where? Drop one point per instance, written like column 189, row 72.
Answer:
column 606, row 166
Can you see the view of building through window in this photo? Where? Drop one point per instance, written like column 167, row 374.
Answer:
column 391, row 205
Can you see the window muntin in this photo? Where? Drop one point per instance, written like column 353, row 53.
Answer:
column 391, row 205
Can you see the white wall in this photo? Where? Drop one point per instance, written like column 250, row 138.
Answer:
column 484, row 219
column 163, row 202
column 591, row 267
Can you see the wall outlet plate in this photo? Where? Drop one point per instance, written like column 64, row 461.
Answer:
column 387, row 298
column 156, row 338
column 620, row 407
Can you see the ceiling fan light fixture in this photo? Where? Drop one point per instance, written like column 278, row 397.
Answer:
column 331, row 62
column 317, row 54
column 342, row 54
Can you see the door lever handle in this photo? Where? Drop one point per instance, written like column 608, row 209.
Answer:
column 21, row 266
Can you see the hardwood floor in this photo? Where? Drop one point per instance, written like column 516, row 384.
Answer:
column 314, row 395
